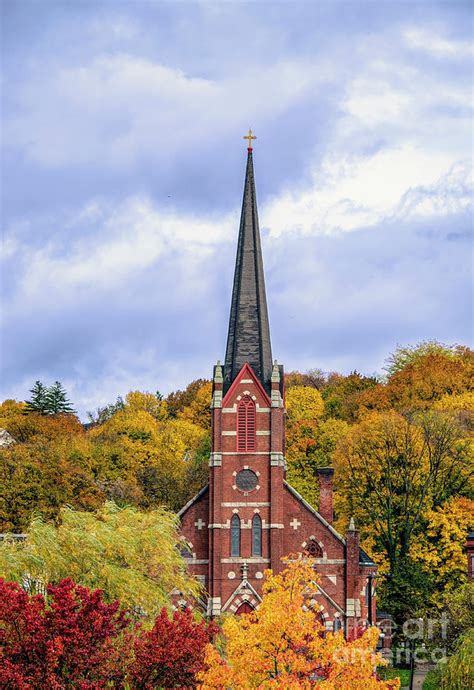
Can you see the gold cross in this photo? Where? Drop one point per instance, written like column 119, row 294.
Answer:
column 249, row 137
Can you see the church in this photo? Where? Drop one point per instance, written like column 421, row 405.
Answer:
column 248, row 516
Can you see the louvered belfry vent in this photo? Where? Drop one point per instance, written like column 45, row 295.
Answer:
column 246, row 424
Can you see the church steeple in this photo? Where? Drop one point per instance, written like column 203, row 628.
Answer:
column 248, row 338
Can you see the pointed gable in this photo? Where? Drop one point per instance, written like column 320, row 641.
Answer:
column 248, row 337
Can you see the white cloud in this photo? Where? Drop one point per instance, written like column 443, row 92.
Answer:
column 352, row 192
column 125, row 240
column 431, row 42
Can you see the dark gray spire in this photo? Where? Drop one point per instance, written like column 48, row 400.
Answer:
column 249, row 332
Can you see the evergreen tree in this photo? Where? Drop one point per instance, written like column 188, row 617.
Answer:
column 39, row 399
column 57, row 401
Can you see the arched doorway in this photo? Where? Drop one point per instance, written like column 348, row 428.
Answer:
column 245, row 607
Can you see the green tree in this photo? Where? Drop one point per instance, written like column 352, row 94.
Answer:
column 130, row 555
column 57, row 401
column 39, row 399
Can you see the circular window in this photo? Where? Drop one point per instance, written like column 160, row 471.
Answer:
column 246, row 480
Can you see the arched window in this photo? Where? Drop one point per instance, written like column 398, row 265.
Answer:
column 235, row 536
column 246, row 424
column 256, row 536
column 313, row 549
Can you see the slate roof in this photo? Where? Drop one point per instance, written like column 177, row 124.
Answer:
column 248, row 337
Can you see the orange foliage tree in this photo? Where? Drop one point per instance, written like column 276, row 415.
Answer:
column 281, row 645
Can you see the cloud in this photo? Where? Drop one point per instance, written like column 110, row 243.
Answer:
column 423, row 39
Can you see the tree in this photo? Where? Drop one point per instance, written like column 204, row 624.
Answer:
column 102, row 414
column 178, row 400
column 49, row 467
column 402, row 356
column 56, row 400
column 439, row 547
column 39, row 399
column 131, row 556
column 315, row 378
column 421, row 383
column 280, row 645
column 171, row 654
column 309, row 445
column 341, row 394
column 74, row 642
column 390, row 471
column 199, row 409
column 303, row 403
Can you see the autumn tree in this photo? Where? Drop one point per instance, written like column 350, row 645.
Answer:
column 280, row 645
column 73, row 641
column 440, row 546
column 171, row 654
column 198, row 411
column 341, row 394
column 391, row 470
column 178, row 400
column 410, row 354
column 310, row 439
column 47, row 468
column 130, row 555
column 422, row 381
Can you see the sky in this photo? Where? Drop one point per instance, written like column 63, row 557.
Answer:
column 122, row 175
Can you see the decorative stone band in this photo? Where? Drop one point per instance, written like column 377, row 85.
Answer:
column 214, row 606
column 352, row 607
column 244, row 525
column 277, row 400
column 277, row 460
column 217, row 399
column 215, row 460
column 245, row 560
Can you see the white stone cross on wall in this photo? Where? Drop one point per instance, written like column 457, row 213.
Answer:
column 295, row 523
column 199, row 524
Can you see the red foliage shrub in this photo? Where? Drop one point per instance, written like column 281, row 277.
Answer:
column 72, row 643
column 76, row 640
column 169, row 655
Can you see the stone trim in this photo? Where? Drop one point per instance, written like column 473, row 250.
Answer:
column 251, row 559
column 214, row 606
column 277, row 460
column 215, row 460
column 242, row 504
column 264, row 432
column 216, row 399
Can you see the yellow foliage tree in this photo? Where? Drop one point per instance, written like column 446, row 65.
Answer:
column 281, row 645
column 146, row 402
column 440, row 547
column 303, row 403
column 199, row 409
